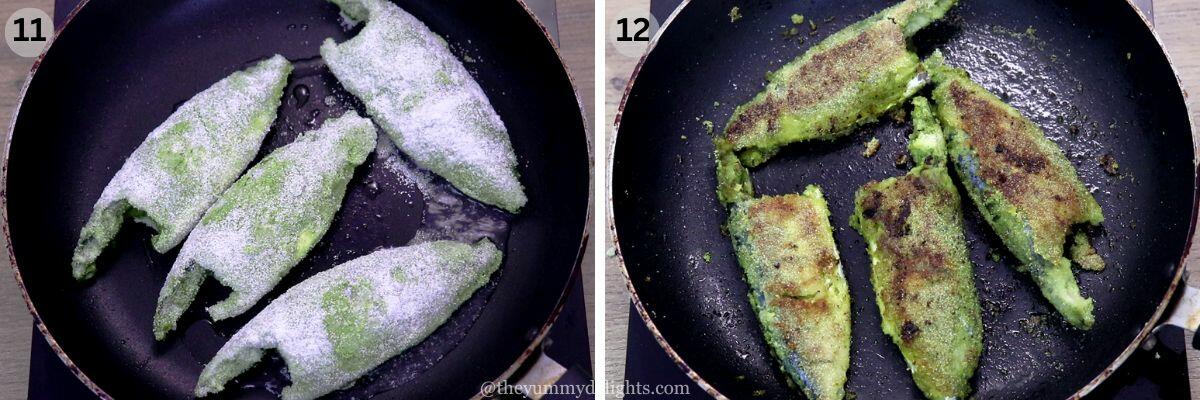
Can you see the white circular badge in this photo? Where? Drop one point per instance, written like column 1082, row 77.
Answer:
column 28, row 32
column 631, row 30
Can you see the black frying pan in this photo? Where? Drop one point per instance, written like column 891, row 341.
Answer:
column 117, row 69
column 1063, row 62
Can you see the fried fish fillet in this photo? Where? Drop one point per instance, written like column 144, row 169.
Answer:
column 849, row 79
column 785, row 246
column 920, row 270
column 1026, row 189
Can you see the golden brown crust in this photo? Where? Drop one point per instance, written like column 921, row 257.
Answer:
column 922, row 277
column 785, row 246
column 915, row 258
column 1020, row 181
column 826, row 75
column 1017, row 165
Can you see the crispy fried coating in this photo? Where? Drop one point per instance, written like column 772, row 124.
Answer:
column 849, row 79
column 785, row 246
column 733, row 179
column 1025, row 187
column 920, row 269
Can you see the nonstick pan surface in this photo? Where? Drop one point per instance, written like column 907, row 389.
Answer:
column 117, row 69
column 1091, row 73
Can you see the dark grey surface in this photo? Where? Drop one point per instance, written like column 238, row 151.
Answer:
column 526, row 67
column 707, row 316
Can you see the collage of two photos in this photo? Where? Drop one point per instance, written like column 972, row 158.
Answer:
column 580, row 199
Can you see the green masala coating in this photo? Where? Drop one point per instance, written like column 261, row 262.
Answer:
column 1022, row 184
column 785, row 246
column 186, row 162
column 847, row 80
column 267, row 221
column 920, row 269
column 733, row 179
column 426, row 101
column 341, row 323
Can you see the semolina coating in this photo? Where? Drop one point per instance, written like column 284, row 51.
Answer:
column 920, row 270
column 338, row 325
column 797, row 289
column 186, row 162
column 426, row 101
column 267, row 221
column 847, row 80
column 1024, row 186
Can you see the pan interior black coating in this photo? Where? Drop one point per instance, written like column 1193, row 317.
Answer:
column 1090, row 67
column 117, row 71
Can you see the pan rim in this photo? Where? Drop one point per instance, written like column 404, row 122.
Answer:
column 576, row 267
column 1145, row 331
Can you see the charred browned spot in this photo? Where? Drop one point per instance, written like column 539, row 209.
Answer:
column 769, row 211
column 895, row 222
column 774, row 206
column 1030, row 162
column 832, row 71
column 990, row 128
column 929, row 189
column 918, row 184
column 893, row 211
column 802, row 305
column 914, row 265
column 743, row 124
column 871, row 203
column 1007, row 157
column 765, row 213
column 958, row 93
column 826, row 261
column 917, row 257
column 909, row 331
column 1012, row 160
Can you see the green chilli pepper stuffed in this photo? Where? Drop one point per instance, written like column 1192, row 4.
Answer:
column 847, row 80
column 785, row 247
column 339, row 324
column 426, row 101
column 186, row 162
column 923, row 279
column 267, row 221
column 1022, row 183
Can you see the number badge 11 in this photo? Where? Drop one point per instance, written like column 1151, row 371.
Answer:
column 27, row 32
